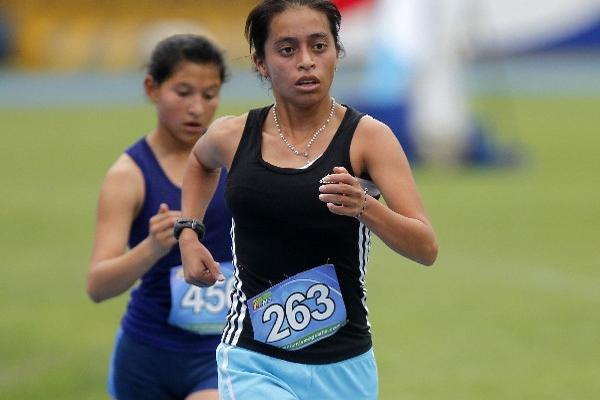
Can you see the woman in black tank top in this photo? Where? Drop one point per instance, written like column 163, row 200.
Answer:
column 304, row 177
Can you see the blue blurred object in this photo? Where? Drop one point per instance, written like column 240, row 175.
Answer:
column 5, row 37
column 388, row 76
column 585, row 38
column 395, row 116
column 482, row 150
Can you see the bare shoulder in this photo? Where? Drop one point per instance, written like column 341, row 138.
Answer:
column 370, row 128
column 372, row 135
column 125, row 169
column 228, row 124
column 124, row 182
column 218, row 145
column 226, row 129
column 375, row 144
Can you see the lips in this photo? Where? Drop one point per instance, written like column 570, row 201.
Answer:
column 193, row 126
column 308, row 80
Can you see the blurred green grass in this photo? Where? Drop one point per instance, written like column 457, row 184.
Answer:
column 510, row 311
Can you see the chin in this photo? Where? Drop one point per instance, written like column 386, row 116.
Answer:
column 194, row 138
column 308, row 98
column 189, row 139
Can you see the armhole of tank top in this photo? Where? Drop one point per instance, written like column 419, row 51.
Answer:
column 251, row 125
column 134, row 154
column 364, row 175
column 145, row 188
column 352, row 122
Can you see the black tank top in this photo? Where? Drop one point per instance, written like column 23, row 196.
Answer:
column 281, row 228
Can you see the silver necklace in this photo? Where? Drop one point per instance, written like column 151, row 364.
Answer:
column 314, row 136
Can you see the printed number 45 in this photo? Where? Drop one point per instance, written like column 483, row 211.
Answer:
column 298, row 315
column 213, row 299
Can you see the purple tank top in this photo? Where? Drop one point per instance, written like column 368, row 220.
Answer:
column 148, row 309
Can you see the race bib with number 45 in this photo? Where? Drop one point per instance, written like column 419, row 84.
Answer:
column 200, row 310
column 299, row 311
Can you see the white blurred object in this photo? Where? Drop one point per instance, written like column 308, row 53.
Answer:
column 439, row 114
column 416, row 53
column 517, row 25
column 156, row 31
column 398, row 41
column 501, row 25
column 417, row 57
column 355, row 32
column 453, row 30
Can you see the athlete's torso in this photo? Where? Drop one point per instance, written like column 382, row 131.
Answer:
column 281, row 228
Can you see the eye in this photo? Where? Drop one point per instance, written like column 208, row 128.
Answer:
column 320, row 46
column 183, row 92
column 209, row 96
column 286, row 51
column 183, row 89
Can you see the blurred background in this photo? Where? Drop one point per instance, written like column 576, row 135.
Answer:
column 496, row 104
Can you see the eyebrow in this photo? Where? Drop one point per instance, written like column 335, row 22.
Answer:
column 186, row 85
column 212, row 87
column 293, row 39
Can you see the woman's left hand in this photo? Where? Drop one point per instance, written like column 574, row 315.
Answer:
column 342, row 193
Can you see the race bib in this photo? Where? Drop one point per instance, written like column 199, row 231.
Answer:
column 200, row 310
column 299, row 311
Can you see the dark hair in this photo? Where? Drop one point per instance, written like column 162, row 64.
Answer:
column 257, row 23
column 172, row 51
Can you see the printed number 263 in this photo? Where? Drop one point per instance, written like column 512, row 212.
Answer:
column 298, row 315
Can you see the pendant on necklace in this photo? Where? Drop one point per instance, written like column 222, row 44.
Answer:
column 305, row 154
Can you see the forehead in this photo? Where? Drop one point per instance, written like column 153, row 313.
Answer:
column 195, row 72
column 298, row 22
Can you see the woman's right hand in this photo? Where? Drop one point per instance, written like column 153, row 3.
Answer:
column 199, row 267
column 161, row 230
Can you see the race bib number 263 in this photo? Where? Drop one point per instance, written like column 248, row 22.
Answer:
column 299, row 311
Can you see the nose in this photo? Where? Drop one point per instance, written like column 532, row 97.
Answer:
column 306, row 61
column 195, row 108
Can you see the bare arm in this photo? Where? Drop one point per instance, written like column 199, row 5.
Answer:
column 402, row 222
column 113, row 269
column 213, row 151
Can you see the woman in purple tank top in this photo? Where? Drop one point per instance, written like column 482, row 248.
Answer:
column 155, row 357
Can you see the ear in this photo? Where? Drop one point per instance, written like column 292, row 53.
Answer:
column 151, row 88
column 259, row 63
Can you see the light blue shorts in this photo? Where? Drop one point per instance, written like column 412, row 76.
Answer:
column 247, row 375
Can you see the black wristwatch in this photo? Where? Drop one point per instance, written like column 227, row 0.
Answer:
column 194, row 224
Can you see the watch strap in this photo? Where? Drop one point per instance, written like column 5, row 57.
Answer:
column 194, row 224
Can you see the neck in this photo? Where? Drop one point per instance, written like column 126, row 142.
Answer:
column 163, row 143
column 311, row 140
column 299, row 123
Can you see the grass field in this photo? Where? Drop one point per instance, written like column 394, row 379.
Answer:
column 510, row 311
